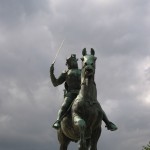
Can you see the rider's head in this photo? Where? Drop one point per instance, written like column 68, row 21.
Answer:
column 71, row 62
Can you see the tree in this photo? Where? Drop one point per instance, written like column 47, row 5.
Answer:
column 147, row 147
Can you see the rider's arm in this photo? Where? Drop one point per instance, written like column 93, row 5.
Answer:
column 59, row 80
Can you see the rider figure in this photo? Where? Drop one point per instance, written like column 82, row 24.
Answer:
column 72, row 80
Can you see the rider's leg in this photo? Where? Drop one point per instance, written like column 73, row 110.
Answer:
column 110, row 126
column 61, row 112
column 65, row 106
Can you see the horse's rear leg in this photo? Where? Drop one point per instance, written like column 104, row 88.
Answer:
column 94, row 139
column 63, row 140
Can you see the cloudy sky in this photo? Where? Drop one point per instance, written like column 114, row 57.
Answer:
column 30, row 34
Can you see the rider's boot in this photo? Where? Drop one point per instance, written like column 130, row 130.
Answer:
column 110, row 126
column 56, row 125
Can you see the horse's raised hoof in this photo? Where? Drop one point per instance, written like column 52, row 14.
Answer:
column 56, row 125
column 111, row 126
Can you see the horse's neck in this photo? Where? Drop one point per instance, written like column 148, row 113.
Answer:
column 88, row 89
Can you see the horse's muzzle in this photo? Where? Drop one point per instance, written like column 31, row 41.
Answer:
column 88, row 71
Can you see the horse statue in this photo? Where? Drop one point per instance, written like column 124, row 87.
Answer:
column 83, row 123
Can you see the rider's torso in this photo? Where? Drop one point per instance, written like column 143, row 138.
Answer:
column 73, row 79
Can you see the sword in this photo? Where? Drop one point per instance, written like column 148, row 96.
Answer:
column 58, row 51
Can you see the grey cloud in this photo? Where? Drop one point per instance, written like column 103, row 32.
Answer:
column 13, row 13
column 111, row 28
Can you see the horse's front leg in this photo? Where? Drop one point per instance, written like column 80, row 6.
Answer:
column 82, row 142
column 94, row 139
column 81, row 125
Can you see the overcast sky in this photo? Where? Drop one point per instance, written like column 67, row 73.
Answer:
column 31, row 31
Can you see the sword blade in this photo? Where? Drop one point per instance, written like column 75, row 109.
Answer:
column 58, row 51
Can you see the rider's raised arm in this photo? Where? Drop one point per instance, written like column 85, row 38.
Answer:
column 59, row 80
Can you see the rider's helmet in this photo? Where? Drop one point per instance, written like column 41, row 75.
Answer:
column 71, row 62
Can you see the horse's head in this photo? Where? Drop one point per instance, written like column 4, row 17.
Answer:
column 88, row 63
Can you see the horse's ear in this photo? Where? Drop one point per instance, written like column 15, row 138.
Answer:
column 84, row 52
column 92, row 52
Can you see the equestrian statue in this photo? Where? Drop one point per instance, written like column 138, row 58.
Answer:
column 80, row 116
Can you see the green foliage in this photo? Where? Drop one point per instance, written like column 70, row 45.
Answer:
column 147, row 147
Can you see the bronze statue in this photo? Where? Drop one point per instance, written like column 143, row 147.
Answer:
column 81, row 114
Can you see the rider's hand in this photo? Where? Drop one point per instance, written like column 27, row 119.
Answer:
column 52, row 68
